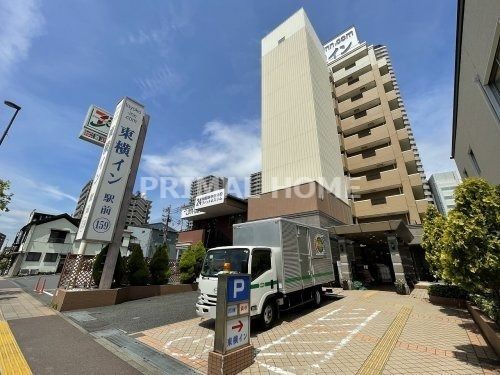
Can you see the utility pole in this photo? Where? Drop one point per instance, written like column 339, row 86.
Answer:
column 166, row 219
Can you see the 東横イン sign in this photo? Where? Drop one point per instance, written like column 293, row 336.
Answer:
column 341, row 44
column 108, row 187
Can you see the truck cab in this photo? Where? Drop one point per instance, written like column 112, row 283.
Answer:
column 259, row 261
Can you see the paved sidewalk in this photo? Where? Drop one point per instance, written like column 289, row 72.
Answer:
column 367, row 332
column 48, row 343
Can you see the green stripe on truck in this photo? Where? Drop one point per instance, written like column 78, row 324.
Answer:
column 292, row 279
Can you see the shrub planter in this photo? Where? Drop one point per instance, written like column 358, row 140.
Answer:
column 488, row 327
column 66, row 300
column 445, row 301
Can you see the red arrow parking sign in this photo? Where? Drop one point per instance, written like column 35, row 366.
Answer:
column 238, row 326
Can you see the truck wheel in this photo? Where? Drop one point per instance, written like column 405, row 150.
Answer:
column 268, row 316
column 317, row 298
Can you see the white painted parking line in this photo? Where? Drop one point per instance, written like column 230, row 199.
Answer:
column 275, row 369
column 296, row 332
column 295, row 354
column 312, row 329
column 346, row 339
column 50, row 294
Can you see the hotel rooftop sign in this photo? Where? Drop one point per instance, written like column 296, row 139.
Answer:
column 341, row 44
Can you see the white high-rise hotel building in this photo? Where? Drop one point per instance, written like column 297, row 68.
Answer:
column 333, row 114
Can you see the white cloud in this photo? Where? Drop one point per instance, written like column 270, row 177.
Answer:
column 20, row 22
column 430, row 114
column 230, row 150
column 160, row 81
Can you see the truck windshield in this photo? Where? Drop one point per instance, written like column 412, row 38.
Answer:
column 215, row 259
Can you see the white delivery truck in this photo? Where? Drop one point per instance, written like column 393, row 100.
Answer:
column 289, row 263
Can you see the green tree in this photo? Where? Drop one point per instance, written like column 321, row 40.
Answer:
column 193, row 255
column 98, row 266
column 138, row 273
column 469, row 243
column 4, row 264
column 433, row 227
column 5, row 197
column 159, row 267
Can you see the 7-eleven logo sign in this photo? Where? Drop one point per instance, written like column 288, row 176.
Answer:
column 100, row 119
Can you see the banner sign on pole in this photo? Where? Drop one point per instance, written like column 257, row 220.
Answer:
column 108, row 187
column 96, row 126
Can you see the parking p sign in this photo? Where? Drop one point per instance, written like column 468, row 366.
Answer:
column 238, row 288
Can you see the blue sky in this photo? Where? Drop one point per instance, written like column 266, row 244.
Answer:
column 195, row 65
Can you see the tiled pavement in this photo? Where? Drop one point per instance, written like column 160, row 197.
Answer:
column 366, row 332
column 16, row 304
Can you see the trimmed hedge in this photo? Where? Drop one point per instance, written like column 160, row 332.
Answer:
column 448, row 291
column 487, row 305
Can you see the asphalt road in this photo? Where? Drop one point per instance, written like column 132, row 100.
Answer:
column 139, row 315
column 28, row 284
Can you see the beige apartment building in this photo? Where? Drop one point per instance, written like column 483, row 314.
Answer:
column 338, row 151
column 476, row 103
column 379, row 153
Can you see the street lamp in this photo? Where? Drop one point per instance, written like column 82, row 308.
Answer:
column 17, row 108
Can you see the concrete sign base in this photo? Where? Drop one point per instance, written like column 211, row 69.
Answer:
column 230, row 363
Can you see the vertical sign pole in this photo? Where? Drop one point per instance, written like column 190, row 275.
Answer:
column 116, row 242
column 220, row 313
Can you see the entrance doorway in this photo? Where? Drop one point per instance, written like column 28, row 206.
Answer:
column 373, row 265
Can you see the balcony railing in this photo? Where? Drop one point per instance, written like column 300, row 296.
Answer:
column 367, row 100
column 422, row 205
column 375, row 182
column 373, row 137
column 353, row 124
column 382, row 157
column 344, row 90
column 394, row 205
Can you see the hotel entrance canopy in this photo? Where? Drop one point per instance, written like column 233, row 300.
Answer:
column 373, row 232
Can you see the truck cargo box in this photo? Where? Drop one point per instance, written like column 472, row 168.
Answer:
column 306, row 258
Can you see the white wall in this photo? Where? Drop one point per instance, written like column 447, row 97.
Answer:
column 37, row 241
column 299, row 131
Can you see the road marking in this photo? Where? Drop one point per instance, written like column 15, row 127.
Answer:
column 12, row 360
column 378, row 358
column 296, row 332
column 275, row 369
column 346, row 339
column 50, row 294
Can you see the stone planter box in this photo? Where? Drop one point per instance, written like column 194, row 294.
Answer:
column 66, row 300
column 445, row 301
column 488, row 327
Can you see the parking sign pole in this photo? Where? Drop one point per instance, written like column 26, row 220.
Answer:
column 232, row 350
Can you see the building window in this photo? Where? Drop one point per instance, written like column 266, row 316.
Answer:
column 364, row 133
column 57, row 236
column 495, row 75
column 350, row 66
column 380, row 200
column 50, row 257
column 33, row 257
column 368, row 153
column 351, row 80
column 360, row 114
column 474, row 161
column 356, row 97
